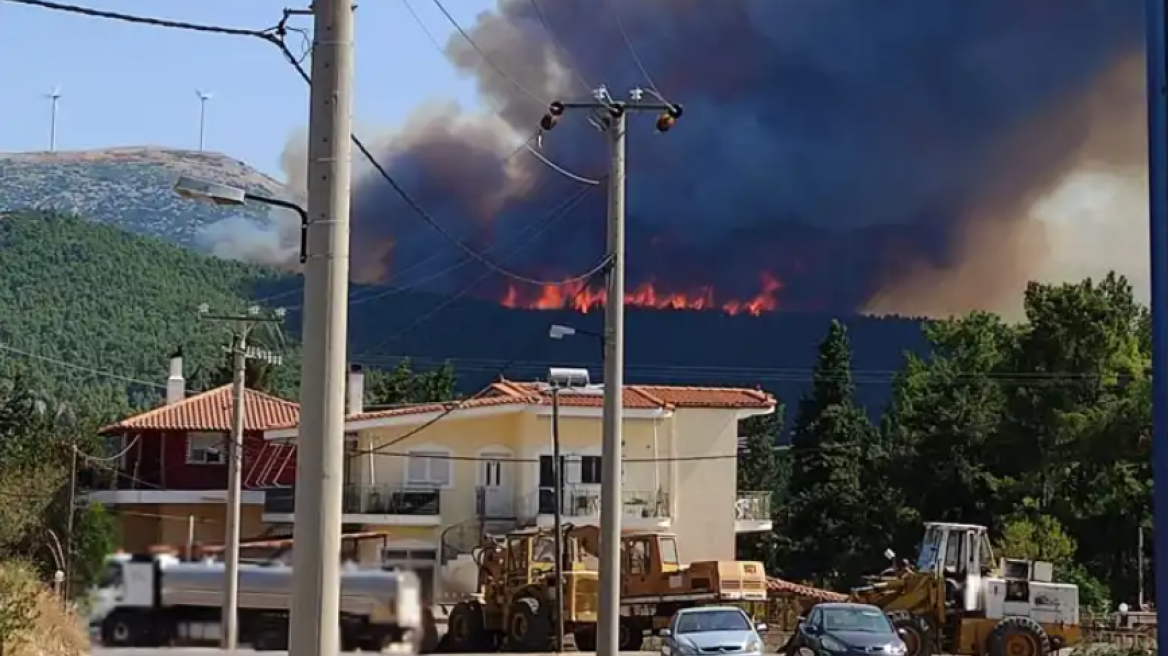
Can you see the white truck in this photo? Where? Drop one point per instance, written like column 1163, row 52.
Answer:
column 157, row 600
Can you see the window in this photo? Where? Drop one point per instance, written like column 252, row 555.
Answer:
column 590, row 470
column 428, row 468
column 578, row 470
column 206, row 448
column 669, row 551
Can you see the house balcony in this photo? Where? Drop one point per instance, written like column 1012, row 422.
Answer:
column 364, row 504
column 752, row 513
column 581, row 505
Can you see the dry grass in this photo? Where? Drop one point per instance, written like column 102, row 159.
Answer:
column 33, row 621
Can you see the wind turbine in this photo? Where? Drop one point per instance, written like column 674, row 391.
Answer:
column 203, row 97
column 54, row 97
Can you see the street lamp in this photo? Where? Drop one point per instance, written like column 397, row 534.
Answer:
column 560, row 378
column 559, row 332
column 205, row 191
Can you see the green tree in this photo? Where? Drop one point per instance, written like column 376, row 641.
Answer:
column 405, row 385
column 760, row 469
column 827, row 518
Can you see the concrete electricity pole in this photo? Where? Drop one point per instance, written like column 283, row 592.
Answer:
column 241, row 328
column 316, row 530
column 611, row 115
column 203, row 96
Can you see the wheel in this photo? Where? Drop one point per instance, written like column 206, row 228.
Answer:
column 1018, row 636
column 530, row 626
column 585, row 637
column 119, row 630
column 466, row 630
column 630, row 635
column 916, row 633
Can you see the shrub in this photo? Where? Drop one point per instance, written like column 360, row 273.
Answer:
column 33, row 621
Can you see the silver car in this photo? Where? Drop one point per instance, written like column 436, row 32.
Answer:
column 712, row 630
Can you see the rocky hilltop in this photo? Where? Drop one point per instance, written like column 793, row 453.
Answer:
column 131, row 188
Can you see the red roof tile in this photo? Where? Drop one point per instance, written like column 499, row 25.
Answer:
column 803, row 591
column 508, row 392
column 211, row 411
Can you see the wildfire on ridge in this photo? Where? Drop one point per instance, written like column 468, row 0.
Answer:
column 582, row 299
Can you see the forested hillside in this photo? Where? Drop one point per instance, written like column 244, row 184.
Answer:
column 96, row 297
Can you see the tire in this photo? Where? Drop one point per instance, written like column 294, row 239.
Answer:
column 120, row 630
column 631, row 635
column 585, row 637
column 918, row 635
column 1018, row 636
column 529, row 626
column 466, row 630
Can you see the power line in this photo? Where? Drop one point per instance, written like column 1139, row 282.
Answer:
column 633, row 51
column 559, row 45
column 541, row 334
column 441, row 229
column 268, row 34
column 562, row 211
column 475, row 46
column 274, row 35
column 77, row 367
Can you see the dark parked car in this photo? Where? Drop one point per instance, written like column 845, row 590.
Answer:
column 843, row 629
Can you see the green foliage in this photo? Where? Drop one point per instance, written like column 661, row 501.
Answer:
column 1040, row 431
column 1039, row 538
column 404, row 385
column 827, row 511
column 98, row 298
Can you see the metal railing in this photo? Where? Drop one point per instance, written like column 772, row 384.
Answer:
column 753, row 507
column 365, row 500
column 583, row 501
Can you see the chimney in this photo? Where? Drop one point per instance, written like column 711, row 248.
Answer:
column 176, row 385
column 356, row 389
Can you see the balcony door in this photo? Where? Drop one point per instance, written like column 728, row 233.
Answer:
column 495, row 476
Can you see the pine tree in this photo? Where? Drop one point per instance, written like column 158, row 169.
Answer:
column 827, row 513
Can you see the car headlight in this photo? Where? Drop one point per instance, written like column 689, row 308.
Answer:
column 754, row 645
column 896, row 649
column 686, row 649
column 831, row 644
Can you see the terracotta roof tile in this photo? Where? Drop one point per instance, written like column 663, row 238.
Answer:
column 803, row 591
column 211, row 411
column 508, row 392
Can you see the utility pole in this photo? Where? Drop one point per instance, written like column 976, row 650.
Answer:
column 1157, row 97
column 320, row 454
column 558, row 495
column 611, row 116
column 203, row 96
column 242, row 326
column 71, row 523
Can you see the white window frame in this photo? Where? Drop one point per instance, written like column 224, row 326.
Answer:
column 432, row 456
column 219, row 440
column 502, row 455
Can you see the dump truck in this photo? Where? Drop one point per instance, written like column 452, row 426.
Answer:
column 958, row 600
column 514, row 608
column 154, row 600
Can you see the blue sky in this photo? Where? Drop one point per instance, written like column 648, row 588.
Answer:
column 125, row 85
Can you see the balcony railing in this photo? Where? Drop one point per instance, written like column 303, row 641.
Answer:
column 585, row 502
column 365, row 500
column 753, row 507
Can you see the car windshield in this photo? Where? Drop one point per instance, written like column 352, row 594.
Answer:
column 862, row 620
column 111, row 576
column 712, row 620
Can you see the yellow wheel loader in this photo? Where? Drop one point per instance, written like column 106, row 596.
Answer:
column 515, row 607
column 957, row 600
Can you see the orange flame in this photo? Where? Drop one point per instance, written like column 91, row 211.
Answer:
column 646, row 294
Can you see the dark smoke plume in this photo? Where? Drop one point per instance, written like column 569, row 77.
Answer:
column 882, row 155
